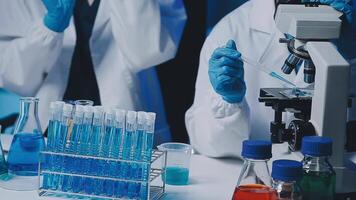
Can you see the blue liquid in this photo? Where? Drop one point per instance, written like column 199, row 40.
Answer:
column 53, row 127
column 24, row 154
column 91, row 185
column 147, row 153
column 83, row 163
column 69, row 166
column 59, row 145
column 176, row 176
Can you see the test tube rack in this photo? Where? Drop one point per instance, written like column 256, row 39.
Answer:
column 154, row 182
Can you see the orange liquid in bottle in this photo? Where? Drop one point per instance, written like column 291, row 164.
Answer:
column 254, row 191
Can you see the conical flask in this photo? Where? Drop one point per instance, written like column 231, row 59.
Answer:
column 24, row 154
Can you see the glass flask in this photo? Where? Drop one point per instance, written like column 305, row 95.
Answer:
column 255, row 181
column 319, row 176
column 286, row 175
column 26, row 144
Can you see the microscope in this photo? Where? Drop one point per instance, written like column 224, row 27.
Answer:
column 320, row 109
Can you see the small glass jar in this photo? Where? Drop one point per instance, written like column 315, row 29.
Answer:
column 286, row 175
column 319, row 176
column 255, row 181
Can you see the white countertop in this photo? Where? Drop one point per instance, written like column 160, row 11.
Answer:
column 209, row 179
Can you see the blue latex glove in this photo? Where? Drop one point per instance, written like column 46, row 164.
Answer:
column 58, row 14
column 340, row 5
column 226, row 73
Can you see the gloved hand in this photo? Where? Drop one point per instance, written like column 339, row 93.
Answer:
column 226, row 73
column 340, row 5
column 58, row 14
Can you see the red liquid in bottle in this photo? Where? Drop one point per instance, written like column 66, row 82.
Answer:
column 254, row 191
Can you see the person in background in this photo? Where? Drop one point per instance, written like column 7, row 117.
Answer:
column 89, row 49
column 226, row 110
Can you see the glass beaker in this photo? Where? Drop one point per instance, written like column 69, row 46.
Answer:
column 28, row 141
column 178, row 161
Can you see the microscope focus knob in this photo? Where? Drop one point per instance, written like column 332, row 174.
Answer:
column 297, row 130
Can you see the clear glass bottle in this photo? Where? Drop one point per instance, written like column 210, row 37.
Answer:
column 28, row 140
column 286, row 175
column 319, row 177
column 24, row 151
column 255, row 181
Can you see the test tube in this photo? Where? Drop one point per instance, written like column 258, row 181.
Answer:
column 127, row 153
column 72, row 148
column 61, row 138
column 109, row 128
column 94, row 149
column 147, row 150
column 117, row 149
column 136, row 151
column 84, row 138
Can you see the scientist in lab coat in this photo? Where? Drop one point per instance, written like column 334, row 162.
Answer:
column 226, row 110
column 89, row 49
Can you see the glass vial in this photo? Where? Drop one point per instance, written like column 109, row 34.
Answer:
column 319, row 177
column 255, row 181
column 286, row 175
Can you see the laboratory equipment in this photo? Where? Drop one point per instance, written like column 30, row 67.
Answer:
column 28, row 141
column 286, row 175
column 84, row 102
column 102, row 155
column 260, row 67
column 255, row 181
column 319, row 176
column 178, row 161
column 324, row 113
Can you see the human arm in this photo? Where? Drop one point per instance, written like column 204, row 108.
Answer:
column 147, row 32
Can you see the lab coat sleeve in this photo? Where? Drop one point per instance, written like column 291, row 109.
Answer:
column 148, row 32
column 27, row 48
column 216, row 128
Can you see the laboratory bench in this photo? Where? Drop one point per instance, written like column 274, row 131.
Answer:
column 209, row 178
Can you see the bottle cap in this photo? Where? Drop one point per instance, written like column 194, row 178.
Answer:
column 67, row 109
column 52, row 106
column 109, row 113
column 98, row 111
column 150, row 117
column 287, row 170
column 120, row 115
column 131, row 117
column 141, row 117
column 317, row 146
column 257, row 149
column 79, row 110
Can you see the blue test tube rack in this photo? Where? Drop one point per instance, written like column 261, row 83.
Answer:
column 150, row 189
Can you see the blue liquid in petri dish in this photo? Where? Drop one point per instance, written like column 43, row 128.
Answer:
column 24, row 154
column 176, row 175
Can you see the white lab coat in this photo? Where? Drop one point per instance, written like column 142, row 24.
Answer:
column 215, row 127
column 128, row 36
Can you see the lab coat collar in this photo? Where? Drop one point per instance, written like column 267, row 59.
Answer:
column 261, row 17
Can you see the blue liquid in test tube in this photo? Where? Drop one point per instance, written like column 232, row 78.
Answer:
column 129, row 138
column 53, row 128
column 148, row 137
column 94, row 150
column 72, row 148
column 59, row 144
column 84, row 138
column 136, row 155
column 106, row 186
column 117, row 150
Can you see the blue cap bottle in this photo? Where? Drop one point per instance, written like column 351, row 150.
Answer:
column 286, row 175
column 255, row 180
column 319, row 177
